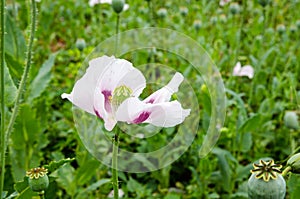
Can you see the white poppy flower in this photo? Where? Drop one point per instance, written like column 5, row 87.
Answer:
column 110, row 89
column 247, row 70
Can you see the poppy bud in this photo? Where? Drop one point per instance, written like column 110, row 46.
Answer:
column 118, row 5
column 234, row 8
column 197, row 25
column 264, row 3
column 291, row 120
column 162, row 13
column 183, row 11
column 294, row 163
column 80, row 44
column 280, row 28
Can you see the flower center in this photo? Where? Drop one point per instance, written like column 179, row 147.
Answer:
column 120, row 94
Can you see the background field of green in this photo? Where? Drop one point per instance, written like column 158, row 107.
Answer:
column 267, row 38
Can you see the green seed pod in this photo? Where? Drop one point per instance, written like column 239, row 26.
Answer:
column 273, row 189
column 298, row 24
column 183, row 11
column 118, row 5
column 234, row 8
column 40, row 184
column 38, row 179
column 80, row 44
column 280, row 28
column 293, row 29
column 162, row 12
column 294, row 163
column 291, row 120
column 266, row 181
column 264, row 3
column 197, row 25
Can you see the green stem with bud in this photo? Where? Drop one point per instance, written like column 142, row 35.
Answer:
column 2, row 98
column 115, row 181
column 21, row 89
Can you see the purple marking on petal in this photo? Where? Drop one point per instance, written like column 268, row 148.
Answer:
column 107, row 95
column 97, row 113
column 141, row 118
column 150, row 101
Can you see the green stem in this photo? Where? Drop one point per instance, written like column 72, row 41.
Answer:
column 21, row 88
column 286, row 171
column 42, row 195
column 117, row 32
column 2, row 98
column 26, row 69
column 115, row 181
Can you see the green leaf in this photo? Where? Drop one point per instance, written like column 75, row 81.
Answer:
column 10, row 88
column 15, row 39
column 23, row 139
column 54, row 165
column 250, row 124
column 41, row 81
column 93, row 187
column 86, row 171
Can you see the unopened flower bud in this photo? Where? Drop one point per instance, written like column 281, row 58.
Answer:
column 38, row 179
column 118, row 5
column 162, row 13
column 197, row 25
column 264, row 3
column 80, row 44
column 294, row 163
column 234, row 8
column 291, row 120
column 280, row 28
column 293, row 29
column 298, row 24
column 183, row 11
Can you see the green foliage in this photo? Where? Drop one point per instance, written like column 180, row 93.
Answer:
column 256, row 125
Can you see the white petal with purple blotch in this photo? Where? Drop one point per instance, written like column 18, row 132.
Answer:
column 82, row 94
column 165, row 114
column 164, row 94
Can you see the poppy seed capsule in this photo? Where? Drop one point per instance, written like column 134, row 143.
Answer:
column 266, row 181
column 38, row 179
column 118, row 5
column 294, row 163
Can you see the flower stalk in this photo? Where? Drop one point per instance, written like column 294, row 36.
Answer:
column 2, row 98
column 115, row 181
column 21, row 89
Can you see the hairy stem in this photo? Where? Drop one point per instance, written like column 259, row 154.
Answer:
column 115, row 181
column 2, row 98
column 5, row 136
column 117, row 32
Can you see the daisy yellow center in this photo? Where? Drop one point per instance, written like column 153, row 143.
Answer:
column 119, row 95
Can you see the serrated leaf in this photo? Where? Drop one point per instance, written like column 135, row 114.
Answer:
column 54, row 165
column 41, row 81
column 10, row 91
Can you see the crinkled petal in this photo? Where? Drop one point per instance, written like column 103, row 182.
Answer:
column 121, row 72
column 237, row 69
column 164, row 94
column 165, row 114
column 82, row 94
column 247, row 71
